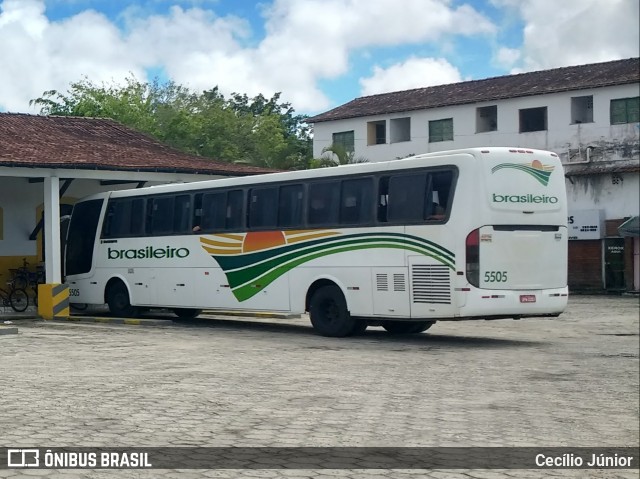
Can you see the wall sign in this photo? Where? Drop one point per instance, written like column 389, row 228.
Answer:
column 585, row 224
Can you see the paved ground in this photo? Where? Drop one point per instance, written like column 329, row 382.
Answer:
column 571, row 381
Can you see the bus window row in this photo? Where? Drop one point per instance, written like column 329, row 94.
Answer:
column 404, row 198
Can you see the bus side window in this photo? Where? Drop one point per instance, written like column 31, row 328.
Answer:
column 383, row 199
column 262, row 210
column 322, row 203
column 356, row 201
column 123, row 218
column 290, row 203
column 196, row 219
column 214, row 207
column 161, row 213
column 406, row 197
column 182, row 214
column 438, row 194
column 108, row 229
column 235, row 210
column 137, row 217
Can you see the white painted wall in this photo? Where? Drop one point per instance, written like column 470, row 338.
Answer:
column 560, row 136
column 599, row 192
column 18, row 200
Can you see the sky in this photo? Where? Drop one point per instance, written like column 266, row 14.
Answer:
column 318, row 54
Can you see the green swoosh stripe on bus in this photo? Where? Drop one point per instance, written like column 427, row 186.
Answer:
column 247, row 281
column 238, row 261
column 241, row 275
column 249, row 289
column 540, row 175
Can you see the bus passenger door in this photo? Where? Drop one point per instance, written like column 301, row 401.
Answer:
column 390, row 292
column 431, row 288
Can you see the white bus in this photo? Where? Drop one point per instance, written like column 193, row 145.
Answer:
column 478, row 233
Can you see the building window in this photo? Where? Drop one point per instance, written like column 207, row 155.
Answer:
column 345, row 139
column 533, row 119
column 582, row 109
column 486, row 119
column 400, row 130
column 625, row 110
column 441, row 130
column 376, row 132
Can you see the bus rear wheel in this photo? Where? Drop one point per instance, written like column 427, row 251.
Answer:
column 406, row 327
column 119, row 302
column 329, row 313
column 187, row 313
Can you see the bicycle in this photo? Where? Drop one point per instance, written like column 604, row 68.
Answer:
column 22, row 277
column 17, row 298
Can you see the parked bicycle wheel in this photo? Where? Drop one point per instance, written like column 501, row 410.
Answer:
column 18, row 300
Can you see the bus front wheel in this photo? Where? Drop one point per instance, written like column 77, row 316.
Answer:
column 119, row 302
column 399, row 327
column 329, row 313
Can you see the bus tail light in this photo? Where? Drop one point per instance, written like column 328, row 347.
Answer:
column 472, row 250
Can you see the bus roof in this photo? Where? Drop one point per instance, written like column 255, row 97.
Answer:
column 342, row 170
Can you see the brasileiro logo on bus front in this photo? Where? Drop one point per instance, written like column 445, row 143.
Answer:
column 536, row 170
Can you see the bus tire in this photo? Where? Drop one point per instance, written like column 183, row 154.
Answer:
column 119, row 302
column 406, row 327
column 187, row 313
column 329, row 314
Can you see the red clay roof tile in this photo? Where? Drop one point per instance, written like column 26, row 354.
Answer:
column 499, row 88
column 97, row 144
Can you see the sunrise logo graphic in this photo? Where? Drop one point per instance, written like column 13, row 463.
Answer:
column 536, row 169
column 252, row 261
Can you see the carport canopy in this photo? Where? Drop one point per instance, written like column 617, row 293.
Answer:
column 49, row 149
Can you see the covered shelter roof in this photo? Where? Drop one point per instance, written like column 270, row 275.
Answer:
column 78, row 143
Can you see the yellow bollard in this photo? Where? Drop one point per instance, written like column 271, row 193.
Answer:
column 53, row 301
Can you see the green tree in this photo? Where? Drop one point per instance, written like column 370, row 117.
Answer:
column 259, row 131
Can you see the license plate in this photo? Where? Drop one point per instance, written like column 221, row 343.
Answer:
column 527, row 298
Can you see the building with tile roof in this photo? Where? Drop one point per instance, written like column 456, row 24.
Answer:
column 587, row 114
column 49, row 159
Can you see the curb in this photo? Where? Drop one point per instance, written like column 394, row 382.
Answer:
column 6, row 330
column 106, row 320
column 256, row 314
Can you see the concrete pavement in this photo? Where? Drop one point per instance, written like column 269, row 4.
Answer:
column 249, row 382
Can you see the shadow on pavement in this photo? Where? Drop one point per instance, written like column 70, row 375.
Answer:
column 427, row 339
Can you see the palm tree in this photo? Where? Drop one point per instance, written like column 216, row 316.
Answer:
column 335, row 155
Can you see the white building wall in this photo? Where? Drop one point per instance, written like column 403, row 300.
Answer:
column 614, row 141
column 616, row 195
column 617, row 200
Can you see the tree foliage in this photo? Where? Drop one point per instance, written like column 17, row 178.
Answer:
column 335, row 155
column 258, row 131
